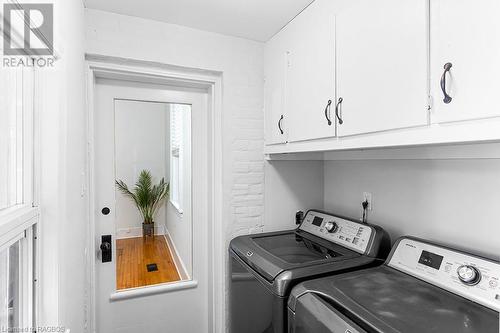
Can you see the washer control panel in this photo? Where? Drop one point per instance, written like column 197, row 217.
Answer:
column 352, row 235
column 474, row 278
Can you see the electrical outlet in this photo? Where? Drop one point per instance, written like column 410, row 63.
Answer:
column 367, row 196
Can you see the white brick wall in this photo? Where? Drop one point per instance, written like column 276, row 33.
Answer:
column 247, row 201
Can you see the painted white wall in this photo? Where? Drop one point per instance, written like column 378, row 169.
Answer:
column 291, row 186
column 60, row 105
column 177, row 223
column 239, row 61
column 454, row 202
column 140, row 144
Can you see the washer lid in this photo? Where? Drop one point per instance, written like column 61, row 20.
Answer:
column 294, row 249
column 388, row 301
column 272, row 253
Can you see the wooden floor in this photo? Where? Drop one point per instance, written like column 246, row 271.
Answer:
column 133, row 256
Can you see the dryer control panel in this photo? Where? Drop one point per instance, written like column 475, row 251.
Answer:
column 352, row 235
column 469, row 276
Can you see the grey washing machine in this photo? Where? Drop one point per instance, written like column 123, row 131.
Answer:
column 265, row 267
column 422, row 288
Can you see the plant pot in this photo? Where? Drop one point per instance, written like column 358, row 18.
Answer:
column 148, row 229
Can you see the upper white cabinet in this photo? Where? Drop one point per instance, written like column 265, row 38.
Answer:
column 382, row 65
column 397, row 73
column 310, row 80
column 465, row 34
column 274, row 94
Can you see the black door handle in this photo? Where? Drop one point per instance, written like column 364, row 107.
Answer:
column 327, row 112
column 106, row 248
column 337, row 108
column 447, row 98
column 279, row 124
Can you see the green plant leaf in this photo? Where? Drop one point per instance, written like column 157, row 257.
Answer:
column 147, row 197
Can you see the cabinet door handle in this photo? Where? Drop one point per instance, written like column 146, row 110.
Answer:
column 327, row 112
column 279, row 124
column 447, row 99
column 338, row 110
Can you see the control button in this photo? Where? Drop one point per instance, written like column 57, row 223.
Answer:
column 331, row 227
column 469, row 275
column 493, row 283
column 447, row 268
column 341, row 237
column 355, row 241
column 348, row 240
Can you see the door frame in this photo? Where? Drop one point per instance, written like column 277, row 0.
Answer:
column 149, row 72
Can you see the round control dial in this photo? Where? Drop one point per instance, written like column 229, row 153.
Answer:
column 331, row 227
column 469, row 275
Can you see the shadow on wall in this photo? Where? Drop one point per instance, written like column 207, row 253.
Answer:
column 449, row 201
column 291, row 186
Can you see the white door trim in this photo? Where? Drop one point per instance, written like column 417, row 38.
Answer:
column 111, row 67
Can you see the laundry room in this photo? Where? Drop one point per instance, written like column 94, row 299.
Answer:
column 250, row 166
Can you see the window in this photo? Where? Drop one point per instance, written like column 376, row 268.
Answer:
column 9, row 287
column 16, row 283
column 18, row 214
column 177, row 114
column 11, row 137
column 18, row 217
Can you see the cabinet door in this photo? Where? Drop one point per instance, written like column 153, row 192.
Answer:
column 274, row 92
column 276, row 130
column 465, row 33
column 382, row 65
column 311, row 74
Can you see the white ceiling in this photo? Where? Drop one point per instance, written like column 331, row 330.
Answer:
column 253, row 19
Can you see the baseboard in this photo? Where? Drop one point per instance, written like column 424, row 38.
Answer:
column 124, row 233
column 179, row 264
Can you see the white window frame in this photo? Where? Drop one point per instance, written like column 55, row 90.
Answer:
column 17, row 223
column 27, row 152
column 23, row 220
column 177, row 201
column 26, row 281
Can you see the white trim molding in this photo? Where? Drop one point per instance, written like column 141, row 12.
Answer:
column 176, row 206
column 179, row 263
column 134, row 232
column 152, row 290
column 490, row 150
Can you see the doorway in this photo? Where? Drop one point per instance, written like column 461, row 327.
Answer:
column 159, row 303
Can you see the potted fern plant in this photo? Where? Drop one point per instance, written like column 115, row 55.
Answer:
column 147, row 197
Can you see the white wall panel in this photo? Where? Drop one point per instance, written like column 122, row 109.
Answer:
column 449, row 201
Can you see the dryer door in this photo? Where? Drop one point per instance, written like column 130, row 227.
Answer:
column 313, row 314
